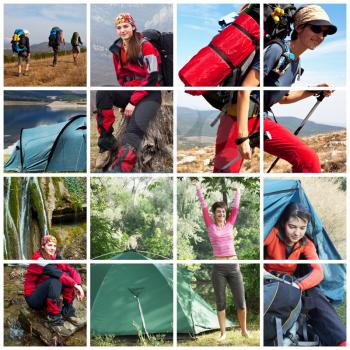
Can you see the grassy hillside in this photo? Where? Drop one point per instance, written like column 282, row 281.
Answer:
column 42, row 73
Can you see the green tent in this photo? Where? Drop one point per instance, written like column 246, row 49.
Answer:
column 125, row 297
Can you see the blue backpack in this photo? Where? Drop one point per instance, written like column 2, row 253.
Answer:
column 18, row 41
column 54, row 37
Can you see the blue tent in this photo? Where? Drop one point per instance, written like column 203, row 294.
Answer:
column 277, row 195
column 51, row 148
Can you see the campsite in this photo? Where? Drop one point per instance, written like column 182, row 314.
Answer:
column 145, row 294
column 41, row 130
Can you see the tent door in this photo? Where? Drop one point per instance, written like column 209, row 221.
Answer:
column 136, row 292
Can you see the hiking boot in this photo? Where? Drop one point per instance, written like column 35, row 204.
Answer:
column 55, row 320
column 19, row 74
column 126, row 160
column 26, row 73
column 68, row 313
column 75, row 320
column 103, row 158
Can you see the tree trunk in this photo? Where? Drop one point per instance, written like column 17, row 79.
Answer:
column 156, row 151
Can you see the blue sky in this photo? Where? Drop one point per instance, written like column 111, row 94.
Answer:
column 198, row 23
column 40, row 18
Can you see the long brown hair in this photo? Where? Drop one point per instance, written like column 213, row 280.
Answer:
column 134, row 47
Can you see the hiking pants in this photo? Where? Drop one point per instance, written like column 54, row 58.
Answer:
column 23, row 56
column 283, row 144
column 323, row 318
column 230, row 274
column 48, row 294
column 225, row 148
column 55, row 49
column 144, row 113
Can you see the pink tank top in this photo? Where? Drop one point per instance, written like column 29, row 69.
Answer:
column 221, row 238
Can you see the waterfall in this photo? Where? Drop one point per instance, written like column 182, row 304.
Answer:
column 8, row 216
column 23, row 223
column 46, row 226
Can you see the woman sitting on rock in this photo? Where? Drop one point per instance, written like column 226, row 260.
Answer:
column 45, row 282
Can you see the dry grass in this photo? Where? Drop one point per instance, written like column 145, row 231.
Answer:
column 330, row 204
column 42, row 73
column 201, row 160
column 330, row 148
column 233, row 338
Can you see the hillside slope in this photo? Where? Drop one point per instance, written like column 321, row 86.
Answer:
column 42, row 73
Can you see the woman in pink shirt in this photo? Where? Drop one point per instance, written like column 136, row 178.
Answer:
column 220, row 233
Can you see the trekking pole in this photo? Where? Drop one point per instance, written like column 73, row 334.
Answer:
column 254, row 140
column 320, row 98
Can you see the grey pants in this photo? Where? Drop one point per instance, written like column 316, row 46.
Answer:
column 230, row 274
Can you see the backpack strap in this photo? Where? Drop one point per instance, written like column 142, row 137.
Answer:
column 279, row 331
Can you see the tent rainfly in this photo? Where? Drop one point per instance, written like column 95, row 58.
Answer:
column 127, row 297
column 51, row 148
column 277, row 195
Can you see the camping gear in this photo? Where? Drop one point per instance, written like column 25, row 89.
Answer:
column 55, row 37
column 284, row 321
column 229, row 52
column 18, row 41
column 163, row 42
column 320, row 98
column 254, row 140
column 51, row 148
column 125, row 297
column 75, row 39
column 277, row 195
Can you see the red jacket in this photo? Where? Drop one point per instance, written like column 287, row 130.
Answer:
column 37, row 273
column 145, row 73
column 275, row 249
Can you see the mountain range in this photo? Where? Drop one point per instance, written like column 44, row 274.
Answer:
column 192, row 122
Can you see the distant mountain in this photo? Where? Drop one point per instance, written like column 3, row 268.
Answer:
column 42, row 47
column 191, row 123
column 44, row 96
column 103, row 34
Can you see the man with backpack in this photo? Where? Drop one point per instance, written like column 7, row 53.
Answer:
column 76, row 42
column 56, row 38
column 21, row 46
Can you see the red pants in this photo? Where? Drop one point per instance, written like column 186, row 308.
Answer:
column 283, row 144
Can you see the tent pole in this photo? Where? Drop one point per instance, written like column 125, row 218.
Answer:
column 142, row 317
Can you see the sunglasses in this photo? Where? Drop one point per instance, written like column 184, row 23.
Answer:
column 318, row 29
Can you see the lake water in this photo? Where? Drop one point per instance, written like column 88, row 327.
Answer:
column 24, row 117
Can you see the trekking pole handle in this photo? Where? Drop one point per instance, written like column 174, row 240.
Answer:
column 320, row 96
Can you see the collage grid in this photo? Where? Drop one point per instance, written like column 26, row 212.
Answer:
column 174, row 176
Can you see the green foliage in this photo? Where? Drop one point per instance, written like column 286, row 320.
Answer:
column 341, row 181
column 77, row 189
column 150, row 340
column 121, row 208
column 192, row 236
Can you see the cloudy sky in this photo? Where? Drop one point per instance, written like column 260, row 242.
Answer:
column 40, row 18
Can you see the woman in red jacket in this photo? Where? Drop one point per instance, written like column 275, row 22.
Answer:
column 137, row 63
column 45, row 282
column 288, row 241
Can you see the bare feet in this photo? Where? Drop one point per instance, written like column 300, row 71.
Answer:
column 245, row 334
column 222, row 337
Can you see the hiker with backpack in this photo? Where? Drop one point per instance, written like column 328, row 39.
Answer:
column 76, row 42
column 288, row 240
column 56, row 38
column 281, row 67
column 139, row 108
column 45, row 282
column 21, row 46
column 136, row 61
column 221, row 238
